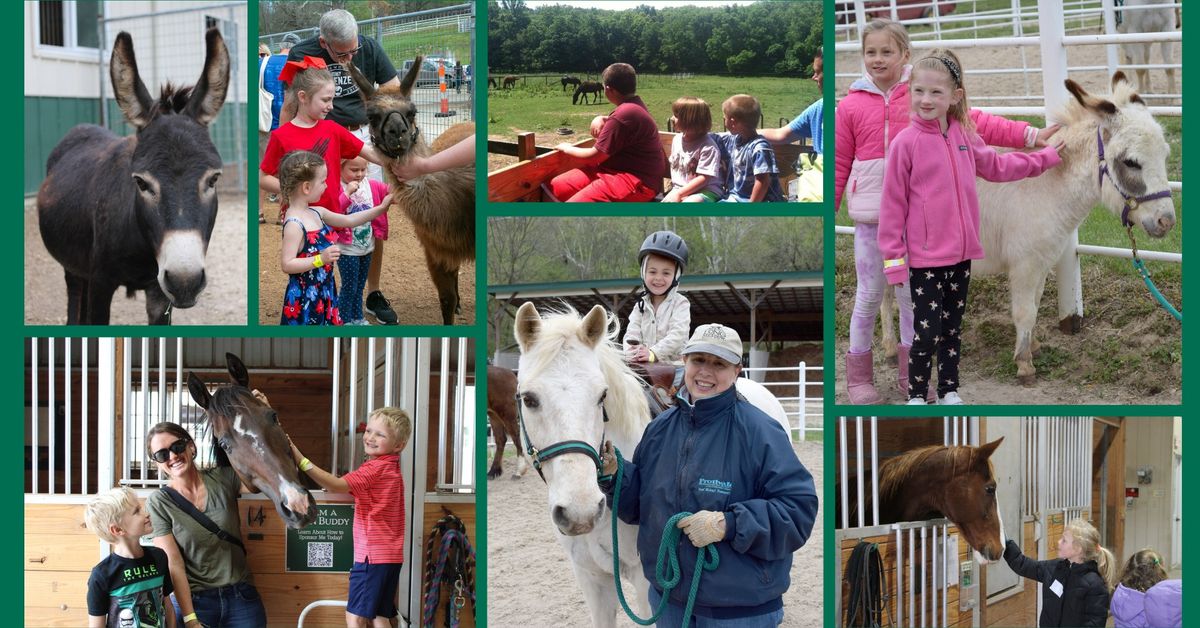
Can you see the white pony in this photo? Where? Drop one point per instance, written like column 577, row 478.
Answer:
column 571, row 375
column 1160, row 20
column 1025, row 225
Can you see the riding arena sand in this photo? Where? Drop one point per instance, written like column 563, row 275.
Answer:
column 531, row 583
column 223, row 301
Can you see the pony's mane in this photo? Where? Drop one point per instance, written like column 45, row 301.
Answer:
column 626, row 404
column 227, row 401
column 895, row 472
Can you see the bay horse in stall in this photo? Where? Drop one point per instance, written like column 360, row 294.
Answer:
column 569, row 80
column 1114, row 155
column 954, row 482
column 585, row 88
column 248, row 431
column 137, row 211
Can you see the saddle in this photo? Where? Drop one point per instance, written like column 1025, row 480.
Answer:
column 659, row 382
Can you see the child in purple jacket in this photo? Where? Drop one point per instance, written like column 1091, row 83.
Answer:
column 929, row 215
column 1145, row 597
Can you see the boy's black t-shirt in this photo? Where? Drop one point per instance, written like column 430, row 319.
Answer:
column 140, row 584
column 348, row 107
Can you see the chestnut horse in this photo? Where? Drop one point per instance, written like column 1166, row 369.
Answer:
column 585, row 88
column 502, row 415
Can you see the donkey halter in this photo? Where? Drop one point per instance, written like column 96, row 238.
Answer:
column 556, row 449
column 1131, row 202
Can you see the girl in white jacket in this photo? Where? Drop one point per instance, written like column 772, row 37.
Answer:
column 662, row 318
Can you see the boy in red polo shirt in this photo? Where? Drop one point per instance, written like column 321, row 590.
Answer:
column 378, row 490
column 627, row 162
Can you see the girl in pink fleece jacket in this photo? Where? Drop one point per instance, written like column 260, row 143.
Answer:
column 868, row 118
column 929, row 215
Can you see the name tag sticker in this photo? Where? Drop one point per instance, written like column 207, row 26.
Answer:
column 1057, row 587
column 962, row 148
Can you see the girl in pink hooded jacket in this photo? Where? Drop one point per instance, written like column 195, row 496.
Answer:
column 929, row 215
column 868, row 118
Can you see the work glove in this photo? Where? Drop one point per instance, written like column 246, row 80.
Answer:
column 608, row 459
column 703, row 528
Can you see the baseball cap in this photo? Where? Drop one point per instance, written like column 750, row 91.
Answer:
column 291, row 39
column 716, row 339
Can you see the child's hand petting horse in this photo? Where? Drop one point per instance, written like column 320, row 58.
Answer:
column 1043, row 135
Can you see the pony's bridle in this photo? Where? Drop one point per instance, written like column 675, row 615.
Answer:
column 557, row 449
column 1131, row 202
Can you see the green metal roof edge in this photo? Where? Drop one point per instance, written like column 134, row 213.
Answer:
column 635, row 281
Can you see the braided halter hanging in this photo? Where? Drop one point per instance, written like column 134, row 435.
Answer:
column 1131, row 202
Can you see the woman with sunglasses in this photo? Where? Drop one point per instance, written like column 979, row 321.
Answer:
column 213, row 584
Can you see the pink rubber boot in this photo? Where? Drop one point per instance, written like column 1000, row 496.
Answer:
column 860, row 376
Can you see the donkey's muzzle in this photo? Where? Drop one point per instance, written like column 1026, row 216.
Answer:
column 183, row 287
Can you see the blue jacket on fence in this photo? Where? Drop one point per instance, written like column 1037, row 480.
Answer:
column 725, row 455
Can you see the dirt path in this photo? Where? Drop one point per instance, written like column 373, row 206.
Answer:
column 223, row 301
column 530, row 582
column 405, row 280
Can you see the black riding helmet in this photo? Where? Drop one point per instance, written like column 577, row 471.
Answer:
column 667, row 244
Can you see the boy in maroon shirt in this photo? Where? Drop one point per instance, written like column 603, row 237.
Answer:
column 627, row 162
column 378, row 490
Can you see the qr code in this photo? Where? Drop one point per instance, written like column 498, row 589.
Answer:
column 320, row 554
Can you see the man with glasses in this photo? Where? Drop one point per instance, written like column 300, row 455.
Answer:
column 339, row 44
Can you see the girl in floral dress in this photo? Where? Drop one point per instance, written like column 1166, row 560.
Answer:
column 309, row 254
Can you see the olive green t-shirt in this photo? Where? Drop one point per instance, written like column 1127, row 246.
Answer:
column 211, row 563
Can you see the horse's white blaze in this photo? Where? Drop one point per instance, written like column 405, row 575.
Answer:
column 182, row 255
column 293, row 495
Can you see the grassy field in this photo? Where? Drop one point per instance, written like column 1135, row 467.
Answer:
column 537, row 106
column 404, row 46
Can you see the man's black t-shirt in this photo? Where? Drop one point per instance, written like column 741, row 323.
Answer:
column 348, row 109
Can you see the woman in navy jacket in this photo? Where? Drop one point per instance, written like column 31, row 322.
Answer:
column 733, row 466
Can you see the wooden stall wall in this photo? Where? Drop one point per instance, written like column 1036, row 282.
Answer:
column 59, row 556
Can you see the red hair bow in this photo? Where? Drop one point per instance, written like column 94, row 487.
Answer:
column 292, row 67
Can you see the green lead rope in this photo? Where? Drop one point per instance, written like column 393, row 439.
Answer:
column 1158, row 296
column 666, row 570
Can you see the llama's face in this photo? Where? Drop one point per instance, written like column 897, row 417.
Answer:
column 1137, row 157
column 393, row 122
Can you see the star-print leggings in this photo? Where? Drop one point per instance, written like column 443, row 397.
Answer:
column 939, row 297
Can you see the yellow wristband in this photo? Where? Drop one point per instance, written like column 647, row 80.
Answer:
column 317, row 263
column 306, row 464
column 652, row 356
column 189, row 617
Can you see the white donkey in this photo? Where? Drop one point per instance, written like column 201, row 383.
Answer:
column 574, row 391
column 1158, row 20
column 1026, row 225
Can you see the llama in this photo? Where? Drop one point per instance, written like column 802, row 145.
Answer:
column 1025, row 225
column 1159, row 20
column 441, row 205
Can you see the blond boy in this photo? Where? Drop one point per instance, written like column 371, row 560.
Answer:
column 378, row 490
column 129, row 586
column 752, row 175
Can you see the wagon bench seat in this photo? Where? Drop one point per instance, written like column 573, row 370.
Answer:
column 524, row 180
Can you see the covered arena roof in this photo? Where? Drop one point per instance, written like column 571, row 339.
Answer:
column 783, row 306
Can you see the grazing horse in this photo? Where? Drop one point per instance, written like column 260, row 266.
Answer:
column 1114, row 155
column 248, row 430
column 957, row 483
column 440, row 205
column 569, row 80
column 137, row 211
column 1159, row 20
column 585, row 88
column 502, row 415
column 492, row 82
column 510, row 81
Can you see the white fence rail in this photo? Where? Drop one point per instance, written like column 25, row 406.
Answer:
column 804, row 408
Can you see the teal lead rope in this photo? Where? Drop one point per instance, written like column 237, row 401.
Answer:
column 666, row 570
column 1158, row 296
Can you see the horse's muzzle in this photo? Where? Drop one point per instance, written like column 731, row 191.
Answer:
column 575, row 521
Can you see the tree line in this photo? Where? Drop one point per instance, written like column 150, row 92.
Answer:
column 525, row 249
column 762, row 39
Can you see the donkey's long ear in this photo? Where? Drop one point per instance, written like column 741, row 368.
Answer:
column 209, row 94
column 410, row 79
column 983, row 452
column 128, row 88
column 1099, row 106
column 366, row 89
column 595, row 326
column 528, row 324
column 199, row 391
column 237, row 370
